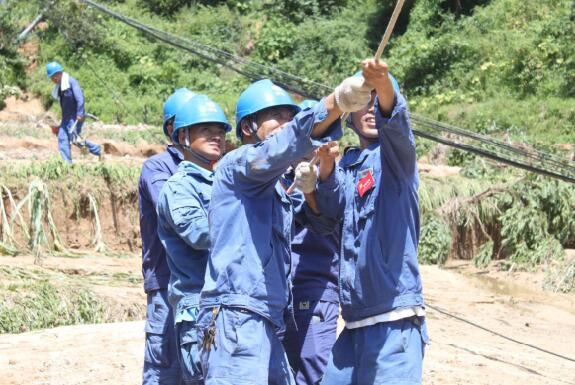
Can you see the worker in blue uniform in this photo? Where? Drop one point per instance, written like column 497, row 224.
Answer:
column 374, row 193
column 160, row 359
column 199, row 129
column 68, row 92
column 247, row 290
column 314, row 267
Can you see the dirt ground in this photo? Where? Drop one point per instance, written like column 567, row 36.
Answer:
column 460, row 353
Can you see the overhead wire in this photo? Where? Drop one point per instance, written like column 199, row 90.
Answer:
column 115, row 96
column 445, row 312
column 250, row 69
column 531, row 160
column 531, row 153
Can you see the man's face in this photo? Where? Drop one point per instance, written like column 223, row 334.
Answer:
column 56, row 78
column 273, row 119
column 364, row 120
column 206, row 139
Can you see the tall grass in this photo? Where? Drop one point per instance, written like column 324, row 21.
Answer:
column 54, row 169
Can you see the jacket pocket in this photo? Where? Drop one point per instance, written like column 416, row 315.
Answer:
column 157, row 350
column 188, row 348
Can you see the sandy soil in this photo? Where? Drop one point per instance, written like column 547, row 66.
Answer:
column 459, row 352
column 24, row 109
column 29, row 147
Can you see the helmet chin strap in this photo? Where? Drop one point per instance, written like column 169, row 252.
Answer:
column 186, row 147
column 253, row 127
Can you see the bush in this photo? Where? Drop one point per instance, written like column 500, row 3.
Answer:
column 300, row 10
column 434, row 241
column 45, row 306
column 12, row 64
column 165, row 7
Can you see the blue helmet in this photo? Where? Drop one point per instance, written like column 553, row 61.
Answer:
column 391, row 77
column 308, row 103
column 197, row 110
column 259, row 96
column 53, row 68
column 173, row 104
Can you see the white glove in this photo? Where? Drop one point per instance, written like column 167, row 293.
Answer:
column 305, row 177
column 352, row 94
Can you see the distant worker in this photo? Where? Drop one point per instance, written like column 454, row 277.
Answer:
column 314, row 270
column 161, row 364
column 200, row 128
column 68, row 92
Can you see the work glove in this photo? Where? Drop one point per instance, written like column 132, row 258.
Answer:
column 352, row 94
column 305, row 177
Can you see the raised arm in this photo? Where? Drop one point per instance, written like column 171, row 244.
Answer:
column 392, row 121
column 330, row 194
column 260, row 165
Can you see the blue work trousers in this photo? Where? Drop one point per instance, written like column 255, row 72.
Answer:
column 308, row 347
column 389, row 353
column 161, row 366
column 246, row 349
column 65, row 138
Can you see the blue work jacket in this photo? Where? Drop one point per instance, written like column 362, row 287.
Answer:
column 155, row 172
column 183, row 229
column 379, row 271
column 251, row 220
column 71, row 101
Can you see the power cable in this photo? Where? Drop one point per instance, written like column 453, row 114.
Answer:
column 445, row 312
column 532, row 153
column 493, row 156
column 532, row 160
column 250, row 69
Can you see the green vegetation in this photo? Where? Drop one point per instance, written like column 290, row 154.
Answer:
column 526, row 222
column 132, row 135
column 435, row 241
column 27, row 223
column 12, row 65
column 55, row 169
column 37, row 298
column 35, row 304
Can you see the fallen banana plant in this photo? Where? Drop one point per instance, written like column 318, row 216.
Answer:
column 97, row 242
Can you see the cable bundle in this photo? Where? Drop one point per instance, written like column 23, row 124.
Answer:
column 526, row 158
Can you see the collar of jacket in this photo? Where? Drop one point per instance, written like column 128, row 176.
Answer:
column 190, row 168
column 176, row 154
column 356, row 156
